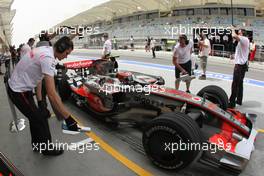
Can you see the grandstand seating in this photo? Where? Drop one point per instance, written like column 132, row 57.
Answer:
column 156, row 28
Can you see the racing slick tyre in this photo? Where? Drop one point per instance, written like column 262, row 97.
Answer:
column 164, row 136
column 216, row 95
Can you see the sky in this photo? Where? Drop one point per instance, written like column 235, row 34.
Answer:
column 32, row 16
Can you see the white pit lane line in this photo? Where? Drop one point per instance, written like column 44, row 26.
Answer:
column 80, row 144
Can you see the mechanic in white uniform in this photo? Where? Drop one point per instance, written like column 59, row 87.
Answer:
column 182, row 60
column 107, row 47
column 27, row 47
column 205, row 47
column 36, row 65
column 44, row 40
column 241, row 67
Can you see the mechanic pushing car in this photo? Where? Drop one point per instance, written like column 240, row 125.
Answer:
column 182, row 60
column 37, row 65
column 45, row 40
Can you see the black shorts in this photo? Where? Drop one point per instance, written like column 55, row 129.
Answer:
column 187, row 67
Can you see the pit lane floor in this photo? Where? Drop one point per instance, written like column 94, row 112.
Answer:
column 120, row 152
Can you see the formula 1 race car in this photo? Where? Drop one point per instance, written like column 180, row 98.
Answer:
column 184, row 128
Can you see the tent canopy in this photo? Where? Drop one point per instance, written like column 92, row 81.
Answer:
column 6, row 16
column 116, row 8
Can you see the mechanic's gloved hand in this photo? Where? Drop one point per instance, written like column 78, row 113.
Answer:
column 43, row 108
column 71, row 124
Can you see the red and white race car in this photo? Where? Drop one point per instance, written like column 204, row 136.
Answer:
column 185, row 128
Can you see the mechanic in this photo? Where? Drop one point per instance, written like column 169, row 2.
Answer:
column 205, row 46
column 5, row 57
column 132, row 43
column 13, row 51
column 27, row 47
column 241, row 66
column 44, row 40
column 115, row 43
column 153, row 48
column 253, row 50
column 18, row 51
column 1, row 55
column 107, row 47
column 148, row 40
column 32, row 68
column 182, row 60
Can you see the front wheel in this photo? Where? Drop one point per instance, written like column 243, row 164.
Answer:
column 166, row 140
column 216, row 95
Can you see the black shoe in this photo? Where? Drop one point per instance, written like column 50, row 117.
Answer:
column 239, row 103
column 188, row 91
column 54, row 152
column 202, row 77
column 231, row 105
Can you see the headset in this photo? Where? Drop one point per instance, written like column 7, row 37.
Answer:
column 244, row 32
column 44, row 37
column 63, row 44
column 61, row 47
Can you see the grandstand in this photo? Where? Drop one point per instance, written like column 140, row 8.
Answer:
column 160, row 19
column 6, row 16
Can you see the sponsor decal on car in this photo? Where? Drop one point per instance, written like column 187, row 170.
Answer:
column 196, row 99
column 79, row 64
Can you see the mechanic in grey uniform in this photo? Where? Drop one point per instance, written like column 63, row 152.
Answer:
column 36, row 65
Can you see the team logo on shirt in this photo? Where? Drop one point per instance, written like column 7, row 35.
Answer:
column 31, row 54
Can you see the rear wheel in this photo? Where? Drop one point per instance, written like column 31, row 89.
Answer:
column 216, row 95
column 165, row 140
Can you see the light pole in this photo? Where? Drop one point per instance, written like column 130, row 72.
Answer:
column 232, row 12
